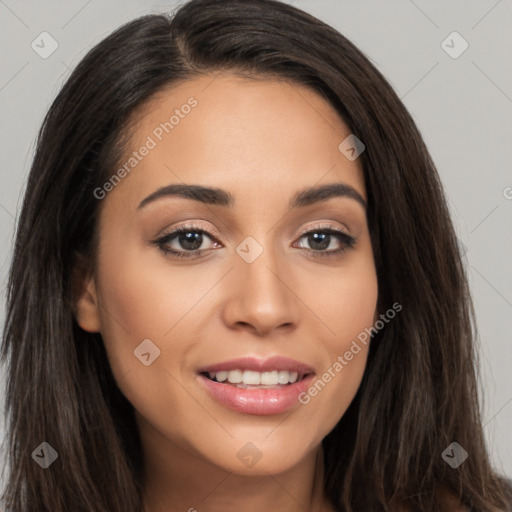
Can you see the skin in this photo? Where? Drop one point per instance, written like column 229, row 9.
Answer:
column 262, row 141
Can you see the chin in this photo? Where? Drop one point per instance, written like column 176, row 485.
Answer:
column 260, row 456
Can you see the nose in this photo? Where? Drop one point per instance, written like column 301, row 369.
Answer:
column 260, row 297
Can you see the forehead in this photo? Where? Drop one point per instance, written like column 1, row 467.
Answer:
column 260, row 135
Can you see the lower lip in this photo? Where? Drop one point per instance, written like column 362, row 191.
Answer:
column 265, row 401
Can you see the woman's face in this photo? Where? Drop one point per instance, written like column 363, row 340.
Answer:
column 286, row 304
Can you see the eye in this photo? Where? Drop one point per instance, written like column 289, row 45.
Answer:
column 184, row 242
column 188, row 241
column 320, row 238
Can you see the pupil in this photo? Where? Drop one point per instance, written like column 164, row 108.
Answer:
column 321, row 239
column 191, row 241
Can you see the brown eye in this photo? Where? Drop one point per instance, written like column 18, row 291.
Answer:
column 320, row 239
column 184, row 242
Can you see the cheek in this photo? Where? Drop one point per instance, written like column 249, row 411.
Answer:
column 348, row 308
column 346, row 300
column 136, row 304
column 143, row 297
column 141, row 302
column 353, row 310
column 143, row 294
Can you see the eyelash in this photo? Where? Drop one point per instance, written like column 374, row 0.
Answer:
column 347, row 241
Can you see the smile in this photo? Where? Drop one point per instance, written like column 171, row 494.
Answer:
column 253, row 386
column 261, row 380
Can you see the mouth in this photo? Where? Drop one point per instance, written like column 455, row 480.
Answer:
column 254, row 386
column 248, row 379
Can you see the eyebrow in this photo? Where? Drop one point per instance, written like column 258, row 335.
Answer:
column 219, row 197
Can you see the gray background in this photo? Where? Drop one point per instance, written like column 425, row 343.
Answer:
column 462, row 106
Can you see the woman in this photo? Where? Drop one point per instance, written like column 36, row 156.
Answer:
column 234, row 286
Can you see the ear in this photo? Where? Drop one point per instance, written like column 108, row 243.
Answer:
column 85, row 297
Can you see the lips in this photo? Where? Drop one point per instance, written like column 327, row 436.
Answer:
column 260, row 365
column 256, row 386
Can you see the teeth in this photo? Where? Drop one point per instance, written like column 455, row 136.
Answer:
column 252, row 378
column 270, row 378
column 235, row 376
column 221, row 376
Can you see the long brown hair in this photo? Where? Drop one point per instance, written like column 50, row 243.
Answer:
column 419, row 391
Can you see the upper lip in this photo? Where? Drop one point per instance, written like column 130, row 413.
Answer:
column 259, row 365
